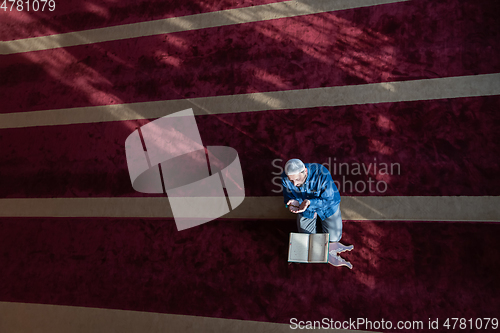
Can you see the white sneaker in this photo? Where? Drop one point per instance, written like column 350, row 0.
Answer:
column 333, row 257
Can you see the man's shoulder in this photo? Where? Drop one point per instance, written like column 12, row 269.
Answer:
column 317, row 168
column 284, row 179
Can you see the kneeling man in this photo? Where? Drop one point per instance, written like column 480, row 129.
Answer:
column 309, row 192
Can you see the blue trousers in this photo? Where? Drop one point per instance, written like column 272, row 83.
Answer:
column 332, row 225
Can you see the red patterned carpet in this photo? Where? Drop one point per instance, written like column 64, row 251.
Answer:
column 237, row 268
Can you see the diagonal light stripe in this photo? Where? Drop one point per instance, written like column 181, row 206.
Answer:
column 429, row 89
column 383, row 208
column 44, row 318
column 186, row 23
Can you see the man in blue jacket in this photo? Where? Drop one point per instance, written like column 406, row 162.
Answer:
column 309, row 192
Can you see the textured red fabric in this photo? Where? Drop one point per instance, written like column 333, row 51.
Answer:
column 428, row 144
column 74, row 15
column 403, row 41
column 238, row 269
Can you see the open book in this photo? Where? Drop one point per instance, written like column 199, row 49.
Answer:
column 308, row 248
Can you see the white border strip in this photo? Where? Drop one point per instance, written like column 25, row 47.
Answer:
column 185, row 23
column 43, row 318
column 428, row 89
column 382, row 208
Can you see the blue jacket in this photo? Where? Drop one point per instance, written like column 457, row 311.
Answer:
column 318, row 188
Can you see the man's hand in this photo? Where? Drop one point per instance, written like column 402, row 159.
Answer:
column 293, row 206
column 303, row 206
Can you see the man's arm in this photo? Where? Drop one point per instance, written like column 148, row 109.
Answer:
column 288, row 194
column 327, row 192
column 290, row 198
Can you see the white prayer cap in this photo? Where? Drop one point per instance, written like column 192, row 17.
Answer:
column 294, row 166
